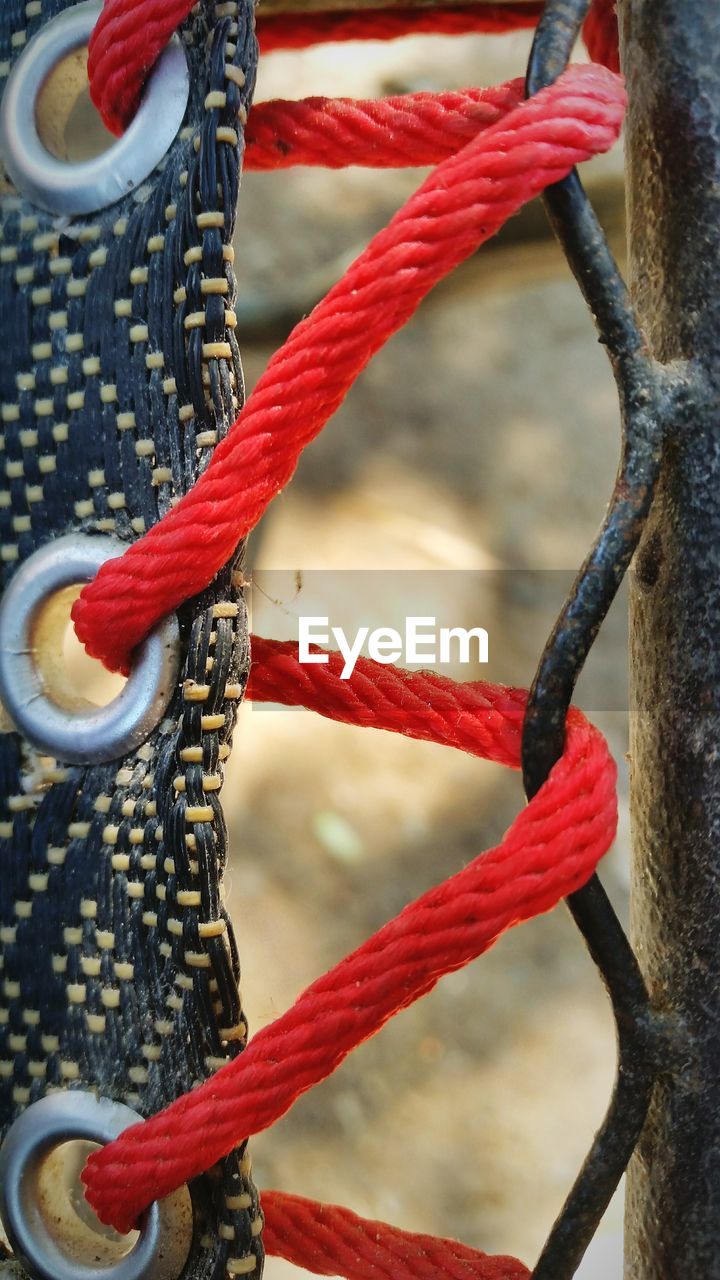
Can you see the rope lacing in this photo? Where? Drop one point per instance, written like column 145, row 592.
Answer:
column 464, row 201
column 493, row 153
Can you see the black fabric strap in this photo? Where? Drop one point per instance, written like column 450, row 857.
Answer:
column 119, row 968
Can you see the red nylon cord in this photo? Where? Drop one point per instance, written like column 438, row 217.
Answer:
column 131, row 34
column 127, row 41
column 393, row 133
column 483, row 719
column 330, row 1240
column 550, row 850
column 600, row 33
column 460, row 205
column 290, row 31
column 493, row 153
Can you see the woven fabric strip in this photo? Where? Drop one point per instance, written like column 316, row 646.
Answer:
column 119, row 371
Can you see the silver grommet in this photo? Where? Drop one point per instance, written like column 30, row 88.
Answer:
column 60, row 1118
column 90, row 734
column 85, row 187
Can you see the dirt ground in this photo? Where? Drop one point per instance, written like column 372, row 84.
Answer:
column 465, row 476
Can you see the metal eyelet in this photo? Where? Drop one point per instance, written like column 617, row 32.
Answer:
column 85, row 187
column 92, row 734
column 56, row 1119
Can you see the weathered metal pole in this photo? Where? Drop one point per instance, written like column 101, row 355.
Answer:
column 671, row 57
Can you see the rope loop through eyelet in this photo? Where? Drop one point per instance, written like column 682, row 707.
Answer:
column 88, row 186
column 90, row 734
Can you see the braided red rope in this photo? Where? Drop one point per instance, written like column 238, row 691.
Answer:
column 330, row 1240
column 128, row 39
column 297, row 31
column 412, row 129
column 550, row 850
column 554, row 845
column 126, row 42
column 131, row 34
column 483, row 719
column 463, row 202
column 600, row 34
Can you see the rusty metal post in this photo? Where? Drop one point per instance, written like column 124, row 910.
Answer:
column 671, row 57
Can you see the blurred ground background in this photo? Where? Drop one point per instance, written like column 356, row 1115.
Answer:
column 484, row 438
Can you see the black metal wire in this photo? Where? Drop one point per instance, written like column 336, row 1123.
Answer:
column 647, row 401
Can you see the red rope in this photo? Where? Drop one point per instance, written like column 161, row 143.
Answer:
column 550, row 850
column 464, row 201
column 130, row 35
column 127, row 41
column 385, row 133
column 329, row 1241
column 483, row 719
column 493, row 153
column 290, row 31
column 600, row 34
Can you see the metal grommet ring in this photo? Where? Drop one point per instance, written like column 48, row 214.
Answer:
column 91, row 734
column 47, row 1124
column 85, row 187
